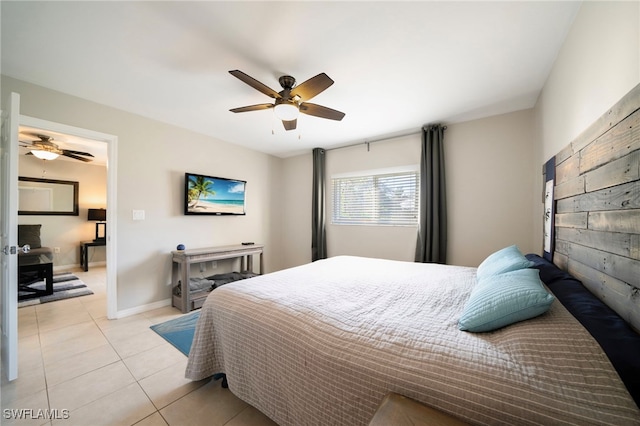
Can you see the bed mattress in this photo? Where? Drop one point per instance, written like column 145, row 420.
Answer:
column 323, row 343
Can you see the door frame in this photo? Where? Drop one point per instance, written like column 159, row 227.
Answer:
column 9, row 236
column 112, row 180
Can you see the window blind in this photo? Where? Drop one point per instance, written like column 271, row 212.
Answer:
column 376, row 199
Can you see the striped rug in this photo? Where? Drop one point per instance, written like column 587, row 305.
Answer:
column 65, row 286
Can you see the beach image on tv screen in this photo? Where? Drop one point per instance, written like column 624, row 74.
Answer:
column 215, row 195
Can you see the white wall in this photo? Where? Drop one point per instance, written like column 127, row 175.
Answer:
column 66, row 232
column 597, row 65
column 296, row 213
column 489, row 181
column 152, row 159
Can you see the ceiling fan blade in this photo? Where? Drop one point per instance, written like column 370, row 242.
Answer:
column 69, row 151
column 289, row 125
column 252, row 108
column 312, row 87
column 255, row 84
column 321, row 111
column 76, row 157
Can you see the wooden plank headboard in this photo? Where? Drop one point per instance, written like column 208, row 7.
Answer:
column 597, row 220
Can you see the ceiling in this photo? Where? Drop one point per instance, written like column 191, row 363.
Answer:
column 396, row 65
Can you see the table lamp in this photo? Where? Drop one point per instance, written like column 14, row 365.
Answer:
column 99, row 215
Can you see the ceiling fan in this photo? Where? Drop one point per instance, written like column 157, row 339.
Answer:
column 292, row 99
column 45, row 149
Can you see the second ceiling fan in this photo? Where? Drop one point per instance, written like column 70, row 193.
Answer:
column 45, row 149
column 292, row 99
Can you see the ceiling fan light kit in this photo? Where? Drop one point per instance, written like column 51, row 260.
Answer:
column 44, row 155
column 292, row 100
column 286, row 111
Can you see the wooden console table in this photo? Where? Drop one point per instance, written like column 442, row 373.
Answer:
column 181, row 269
column 84, row 251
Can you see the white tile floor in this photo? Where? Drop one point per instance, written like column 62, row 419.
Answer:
column 109, row 372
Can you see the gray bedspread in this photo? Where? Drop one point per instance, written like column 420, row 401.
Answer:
column 323, row 343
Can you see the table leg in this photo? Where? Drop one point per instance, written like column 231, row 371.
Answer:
column 261, row 264
column 48, row 276
column 85, row 258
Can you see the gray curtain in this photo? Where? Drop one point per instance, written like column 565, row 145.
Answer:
column 432, row 230
column 318, row 237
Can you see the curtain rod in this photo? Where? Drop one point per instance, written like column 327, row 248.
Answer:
column 368, row 142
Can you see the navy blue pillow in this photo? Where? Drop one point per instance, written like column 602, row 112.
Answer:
column 618, row 340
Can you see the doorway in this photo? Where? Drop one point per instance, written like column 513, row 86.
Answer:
column 104, row 147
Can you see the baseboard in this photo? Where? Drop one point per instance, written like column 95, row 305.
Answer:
column 75, row 267
column 143, row 308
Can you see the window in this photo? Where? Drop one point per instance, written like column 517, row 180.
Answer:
column 376, row 198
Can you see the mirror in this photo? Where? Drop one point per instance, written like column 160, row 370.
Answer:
column 47, row 197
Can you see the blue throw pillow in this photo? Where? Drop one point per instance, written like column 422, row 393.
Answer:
column 499, row 300
column 505, row 260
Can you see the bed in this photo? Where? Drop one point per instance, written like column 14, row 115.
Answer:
column 323, row 343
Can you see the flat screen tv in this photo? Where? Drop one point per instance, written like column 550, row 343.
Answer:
column 213, row 195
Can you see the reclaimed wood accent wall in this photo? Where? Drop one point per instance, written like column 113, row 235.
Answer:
column 597, row 221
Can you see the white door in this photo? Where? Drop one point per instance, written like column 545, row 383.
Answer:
column 9, row 236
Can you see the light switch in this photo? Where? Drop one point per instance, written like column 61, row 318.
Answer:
column 138, row 215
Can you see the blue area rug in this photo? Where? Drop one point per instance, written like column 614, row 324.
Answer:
column 179, row 331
